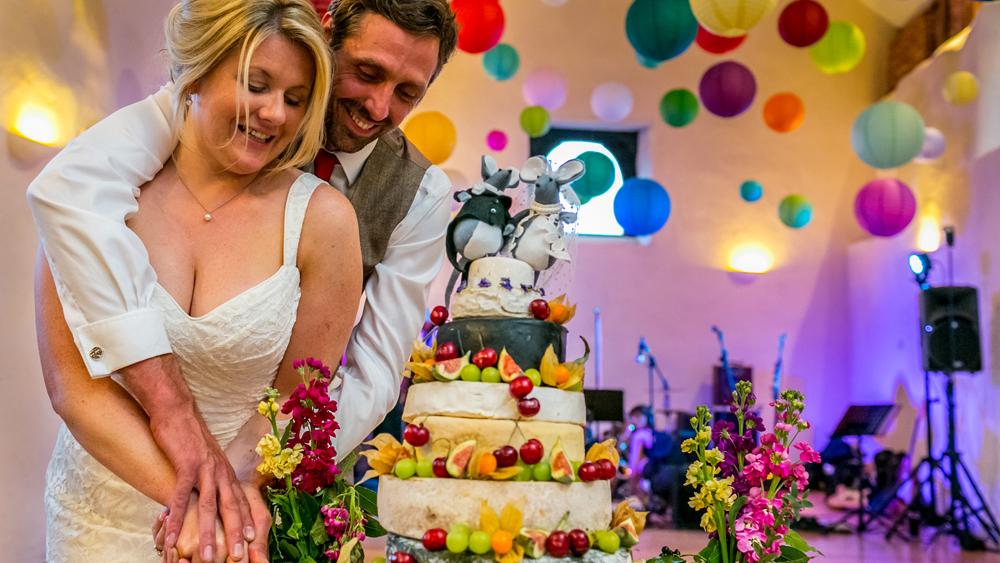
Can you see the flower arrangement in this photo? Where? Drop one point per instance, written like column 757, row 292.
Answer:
column 316, row 515
column 750, row 493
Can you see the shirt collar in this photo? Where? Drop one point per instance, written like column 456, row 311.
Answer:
column 352, row 162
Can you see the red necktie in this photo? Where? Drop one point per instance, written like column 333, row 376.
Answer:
column 325, row 163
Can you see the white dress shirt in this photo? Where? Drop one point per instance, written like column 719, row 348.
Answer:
column 80, row 202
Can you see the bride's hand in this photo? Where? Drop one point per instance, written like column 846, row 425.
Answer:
column 257, row 549
column 186, row 549
column 261, row 515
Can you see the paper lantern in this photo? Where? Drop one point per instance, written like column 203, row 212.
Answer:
column 646, row 62
column 480, row 24
column 546, row 88
column 660, row 29
column 795, row 211
column 611, row 101
column 884, row 207
column 433, row 134
column 961, row 88
column 599, row 176
column 840, row 50
column 642, row 207
column 496, row 140
column 321, row 7
column 751, row 191
column 535, row 121
column 784, row 112
column 717, row 44
column 730, row 18
column 727, row 89
column 888, row 134
column 933, row 146
column 803, row 22
column 501, row 62
column 678, row 107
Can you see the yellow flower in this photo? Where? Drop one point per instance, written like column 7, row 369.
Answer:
column 279, row 464
column 714, row 456
column 268, row 446
column 704, row 435
column 689, row 446
column 693, row 476
column 708, row 521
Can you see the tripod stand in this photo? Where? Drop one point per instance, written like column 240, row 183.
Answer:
column 861, row 421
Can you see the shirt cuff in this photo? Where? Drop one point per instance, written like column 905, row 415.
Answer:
column 111, row 344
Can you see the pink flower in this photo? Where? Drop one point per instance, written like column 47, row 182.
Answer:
column 806, row 453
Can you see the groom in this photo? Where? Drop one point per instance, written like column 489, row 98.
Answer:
column 386, row 56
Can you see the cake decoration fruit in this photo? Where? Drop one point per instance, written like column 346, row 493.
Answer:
column 627, row 533
column 557, row 544
column 491, row 375
column 509, row 370
column 562, row 469
column 485, row 358
column 608, row 541
column 446, row 351
column 459, row 458
column 402, row 557
column 521, row 387
column 561, row 310
column 436, row 539
column 579, row 542
column 525, row 474
column 532, row 451
column 425, row 468
column 542, row 471
column 534, row 375
column 567, row 376
column 479, row 542
column 607, row 469
column 440, row 467
column 405, row 468
column 471, row 372
column 533, row 542
column 450, row 370
column 487, row 464
column 588, row 472
column 506, row 456
column 502, row 542
column 540, row 309
column 528, row 407
column 457, row 540
column 439, row 315
column 416, row 435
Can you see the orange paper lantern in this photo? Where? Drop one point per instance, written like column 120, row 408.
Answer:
column 784, row 112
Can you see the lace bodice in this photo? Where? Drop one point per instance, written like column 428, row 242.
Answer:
column 228, row 356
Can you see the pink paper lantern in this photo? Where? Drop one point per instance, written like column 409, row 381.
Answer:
column 884, row 207
column 496, row 140
column 546, row 88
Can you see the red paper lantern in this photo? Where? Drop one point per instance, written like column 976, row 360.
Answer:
column 717, row 44
column 321, row 7
column 803, row 23
column 480, row 24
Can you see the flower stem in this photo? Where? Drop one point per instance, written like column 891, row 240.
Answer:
column 720, row 524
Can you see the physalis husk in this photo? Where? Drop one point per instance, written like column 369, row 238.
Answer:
column 567, row 376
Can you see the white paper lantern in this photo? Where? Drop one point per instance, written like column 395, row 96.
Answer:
column 611, row 101
column 546, row 88
column 933, row 146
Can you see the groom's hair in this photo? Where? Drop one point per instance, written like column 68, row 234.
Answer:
column 423, row 18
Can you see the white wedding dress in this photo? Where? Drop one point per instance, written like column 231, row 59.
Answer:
column 228, row 356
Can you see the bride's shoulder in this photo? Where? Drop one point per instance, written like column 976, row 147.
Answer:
column 329, row 215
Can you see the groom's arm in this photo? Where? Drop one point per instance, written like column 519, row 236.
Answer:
column 396, row 299
column 104, row 280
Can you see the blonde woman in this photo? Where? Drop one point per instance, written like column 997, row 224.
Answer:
column 256, row 264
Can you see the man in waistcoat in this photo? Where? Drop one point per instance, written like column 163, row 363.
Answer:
column 386, row 55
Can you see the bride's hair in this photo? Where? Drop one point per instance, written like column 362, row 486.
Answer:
column 201, row 33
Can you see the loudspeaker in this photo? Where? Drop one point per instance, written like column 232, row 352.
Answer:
column 722, row 394
column 949, row 317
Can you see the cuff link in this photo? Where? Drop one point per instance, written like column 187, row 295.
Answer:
column 96, row 353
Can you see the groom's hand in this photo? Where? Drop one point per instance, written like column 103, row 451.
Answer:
column 200, row 463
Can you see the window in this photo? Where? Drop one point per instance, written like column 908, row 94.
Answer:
column 597, row 216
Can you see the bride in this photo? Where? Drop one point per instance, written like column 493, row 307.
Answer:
column 257, row 265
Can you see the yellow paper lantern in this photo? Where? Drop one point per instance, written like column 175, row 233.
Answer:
column 730, row 18
column 961, row 88
column 433, row 134
column 840, row 49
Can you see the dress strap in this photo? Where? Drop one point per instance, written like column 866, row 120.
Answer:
column 295, row 212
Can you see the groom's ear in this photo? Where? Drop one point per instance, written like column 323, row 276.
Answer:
column 327, row 22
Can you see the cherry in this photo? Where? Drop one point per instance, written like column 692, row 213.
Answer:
column 485, row 358
column 439, row 315
column 540, row 309
column 446, row 351
column 521, row 386
column 434, row 540
column 402, row 557
column 440, row 467
column 416, row 435
column 557, row 544
column 607, row 469
column 506, row 456
column 579, row 542
column 531, row 451
column 528, row 407
column 588, row 472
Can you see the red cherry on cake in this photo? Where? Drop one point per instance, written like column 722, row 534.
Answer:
column 540, row 309
column 557, row 544
column 434, row 540
column 532, row 451
column 506, row 456
column 588, row 472
column 401, row 557
column 446, row 351
column 416, row 435
column 579, row 542
column 440, row 467
column 528, row 407
column 485, row 358
column 606, row 469
column 439, row 315
column 521, row 386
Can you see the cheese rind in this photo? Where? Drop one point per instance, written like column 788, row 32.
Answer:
column 474, row 399
column 447, row 432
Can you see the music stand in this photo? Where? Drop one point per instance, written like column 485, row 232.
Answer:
column 861, row 421
column 604, row 405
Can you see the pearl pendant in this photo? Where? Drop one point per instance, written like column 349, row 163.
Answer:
column 207, row 217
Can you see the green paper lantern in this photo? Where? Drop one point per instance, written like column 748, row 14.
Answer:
column 679, row 107
column 888, row 134
column 795, row 211
column 660, row 29
column 535, row 121
column 501, row 62
column 598, row 178
column 840, row 49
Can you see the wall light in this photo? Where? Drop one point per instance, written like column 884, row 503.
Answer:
column 929, row 234
column 751, row 258
column 37, row 123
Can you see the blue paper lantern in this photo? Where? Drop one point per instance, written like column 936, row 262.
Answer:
column 751, row 190
column 660, row 29
column 888, row 134
column 642, row 207
column 501, row 62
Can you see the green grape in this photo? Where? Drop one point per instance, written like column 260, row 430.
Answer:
column 542, row 471
column 460, row 528
column 425, row 468
column 470, row 373
column 479, row 542
column 534, row 375
column 608, row 541
column 491, row 375
column 526, row 472
column 405, row 468
column 457, row 540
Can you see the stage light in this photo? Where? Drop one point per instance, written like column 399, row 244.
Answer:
column 920, row 265
column 751, row 258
